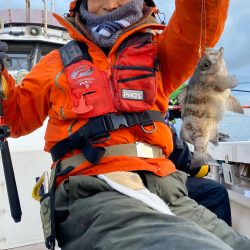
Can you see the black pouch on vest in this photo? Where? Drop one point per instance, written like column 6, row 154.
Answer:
column 47, row 211
column 47, row 207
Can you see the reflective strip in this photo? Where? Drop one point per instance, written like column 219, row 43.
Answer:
column 138, row 149
column 204, row 170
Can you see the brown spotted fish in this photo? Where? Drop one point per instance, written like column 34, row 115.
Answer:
column 203, row 104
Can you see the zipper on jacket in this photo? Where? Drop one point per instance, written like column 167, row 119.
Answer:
column 136, row 78
column 62, row 113
column 109, row 74
column 121, row 67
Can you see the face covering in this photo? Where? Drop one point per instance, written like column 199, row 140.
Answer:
column 106, row 28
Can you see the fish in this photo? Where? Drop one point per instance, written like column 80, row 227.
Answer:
column 204, row 102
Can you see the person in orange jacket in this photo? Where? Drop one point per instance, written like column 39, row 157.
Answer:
column 105, row 93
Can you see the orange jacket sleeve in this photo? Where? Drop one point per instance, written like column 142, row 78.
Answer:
column 180, row 41
column 28, row 103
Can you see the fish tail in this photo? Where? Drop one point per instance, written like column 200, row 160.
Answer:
column 200, row 159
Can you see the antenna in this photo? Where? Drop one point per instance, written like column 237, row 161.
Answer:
column 53, row 5
column 46, row 18
column 27, row 10
column 1, row 23
column 27, row 4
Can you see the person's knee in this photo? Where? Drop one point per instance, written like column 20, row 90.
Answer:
column 170, row 187
column 211, row 195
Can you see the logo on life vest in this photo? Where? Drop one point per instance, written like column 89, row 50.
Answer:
column 81, row 71
column 132, row 94
column 86, row 82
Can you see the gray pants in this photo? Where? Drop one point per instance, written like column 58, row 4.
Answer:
column 172, row 189
column 91, row 215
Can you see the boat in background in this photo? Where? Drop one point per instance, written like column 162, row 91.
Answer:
column 30, row 35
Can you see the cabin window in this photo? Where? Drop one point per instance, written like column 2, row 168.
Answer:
column 19, row 56
column 24, row 55
column 44, row 49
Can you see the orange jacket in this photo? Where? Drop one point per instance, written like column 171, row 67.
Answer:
column 45, row 91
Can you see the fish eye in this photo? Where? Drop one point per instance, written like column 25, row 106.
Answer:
column 205, row 65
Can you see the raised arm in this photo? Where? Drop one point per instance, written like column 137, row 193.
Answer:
column 180, row 42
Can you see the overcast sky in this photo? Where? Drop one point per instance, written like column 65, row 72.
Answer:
column 235, row 39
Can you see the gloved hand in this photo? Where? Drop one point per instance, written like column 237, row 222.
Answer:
column 4, row 85
column 3, row 50
column 200, row 171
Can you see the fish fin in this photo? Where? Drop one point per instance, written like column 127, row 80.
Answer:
column 223, row 137
column 214, row 140
column 221, row 51
column 182, row 96
column 227, row 82
column 202, row 159
column 214, row 136
column 233, row 105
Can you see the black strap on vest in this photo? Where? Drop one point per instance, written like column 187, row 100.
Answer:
column 97, row 130
column 73, row 52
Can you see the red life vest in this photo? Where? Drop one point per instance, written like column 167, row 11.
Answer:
column 110, row 101
column 130, row 86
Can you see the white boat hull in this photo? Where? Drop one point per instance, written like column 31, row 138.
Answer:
column 236, row 154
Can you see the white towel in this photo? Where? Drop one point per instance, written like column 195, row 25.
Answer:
column 130, row 184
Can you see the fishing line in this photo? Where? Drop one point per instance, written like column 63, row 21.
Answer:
column 240, row 90
column 244, row 82
column 203, row 32
column 203, row 38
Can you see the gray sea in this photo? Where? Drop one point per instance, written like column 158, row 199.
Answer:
column 236, row 125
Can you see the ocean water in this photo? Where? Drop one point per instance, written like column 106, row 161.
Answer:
column 235, row 125
column 238, row 125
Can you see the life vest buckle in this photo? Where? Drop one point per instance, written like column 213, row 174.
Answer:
column 98, row 129
column 109, row 122
column 118, row 121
